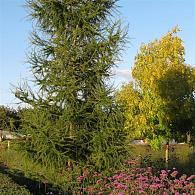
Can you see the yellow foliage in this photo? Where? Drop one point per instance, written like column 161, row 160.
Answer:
column 162, row 79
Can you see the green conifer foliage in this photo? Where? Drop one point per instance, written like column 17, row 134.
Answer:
column 74, row 116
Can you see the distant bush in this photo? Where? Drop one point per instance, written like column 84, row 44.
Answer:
column 8, row 187
column 9, row 119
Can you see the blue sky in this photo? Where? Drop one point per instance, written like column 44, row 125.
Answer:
column 147, row 19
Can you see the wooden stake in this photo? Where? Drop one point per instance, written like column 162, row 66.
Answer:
column 167, row 155
column 8, row 144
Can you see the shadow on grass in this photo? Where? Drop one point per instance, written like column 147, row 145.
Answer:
column 35, row 187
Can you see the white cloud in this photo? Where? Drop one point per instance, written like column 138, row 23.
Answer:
column 121, row 76
column 124, row 74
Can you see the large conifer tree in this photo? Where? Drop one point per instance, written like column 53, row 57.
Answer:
column 74, row 117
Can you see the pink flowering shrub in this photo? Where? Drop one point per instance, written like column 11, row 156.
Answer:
column 135, row 180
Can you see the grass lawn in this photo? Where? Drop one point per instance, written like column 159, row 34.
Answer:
column 181, row 156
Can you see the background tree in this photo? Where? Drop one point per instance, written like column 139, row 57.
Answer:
column 73, row 116
column 164, row 92
column 9, row 119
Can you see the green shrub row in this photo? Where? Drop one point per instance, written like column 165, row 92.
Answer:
column 8, row 187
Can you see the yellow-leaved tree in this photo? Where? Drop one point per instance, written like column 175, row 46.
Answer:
column 160, row 105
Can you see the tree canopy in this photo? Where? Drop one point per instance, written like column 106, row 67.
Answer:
column 73, row 116
column 160, row 103
column 9, row 119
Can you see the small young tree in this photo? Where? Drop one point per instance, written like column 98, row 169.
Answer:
column 74, row 116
